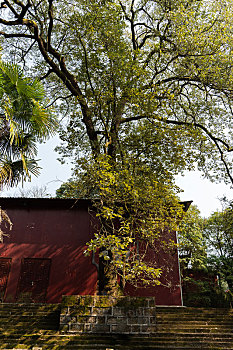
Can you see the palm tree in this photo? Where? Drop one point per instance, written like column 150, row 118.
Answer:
column 23, row 123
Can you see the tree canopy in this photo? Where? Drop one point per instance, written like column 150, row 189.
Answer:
column 219, row 237
column 149, row 79
column 192, row 240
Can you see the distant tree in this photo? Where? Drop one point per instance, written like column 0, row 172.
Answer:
column 219, row 238
column 33, row 192
column 192, row 241
column 73, row 188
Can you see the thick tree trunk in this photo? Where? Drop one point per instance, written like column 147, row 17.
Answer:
column 108, row 279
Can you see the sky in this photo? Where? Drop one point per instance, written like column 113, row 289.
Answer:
column 201, row 191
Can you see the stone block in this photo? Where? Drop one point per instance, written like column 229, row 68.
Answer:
column 152, row 320
column 132, row 302
column 116, row 320
column 91, row 319
column 100, row 328
column 65, row 318
column 151, row 302
column 140, row 311
column 148, row 329
column 136, row 329
column 133, row 320
column 149, row 311
column 131, row 313
column 80, row 310
column 105, row 301
column 64, row 327
column 121, row 328
column 73, row 319
column 85, row 319
column 118, row 311
column 143, row 320
column 76, row 327
column 101, row 319
column 101, row 311
column 88, row 328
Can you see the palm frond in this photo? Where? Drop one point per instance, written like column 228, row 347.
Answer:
column 23, row 122
column 12, row 172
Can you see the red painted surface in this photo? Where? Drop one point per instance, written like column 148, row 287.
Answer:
column 58, row 229
column 169, row 290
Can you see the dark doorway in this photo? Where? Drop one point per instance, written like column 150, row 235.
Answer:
column 5, row 267
column 34, row 280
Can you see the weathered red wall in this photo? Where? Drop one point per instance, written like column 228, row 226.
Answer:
column 166, row 258
column 50, row 229
column 59, row 229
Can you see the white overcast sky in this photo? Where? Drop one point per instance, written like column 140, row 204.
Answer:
column 202, row 192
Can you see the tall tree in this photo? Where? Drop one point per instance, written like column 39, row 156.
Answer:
column 23, row 122
column 128, row 68
column 149, row 80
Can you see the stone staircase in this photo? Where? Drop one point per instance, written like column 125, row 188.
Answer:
column 194, row 328
column 24, row 326
column 29, row 317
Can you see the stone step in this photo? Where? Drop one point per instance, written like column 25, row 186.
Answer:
column 207, row 321
column 192, row 316
column 116, row 341
column 177, row 319
column 196, row 330
column 12, row 306
column 29, row 325
column 192, row 311
column 194, row 324
column 115, row 347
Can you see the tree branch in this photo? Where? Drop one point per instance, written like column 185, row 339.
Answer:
column 59, row 98
column 17, row 35
column 50, row 13
column 46, row 75
column 11, row 8
column 215, row 140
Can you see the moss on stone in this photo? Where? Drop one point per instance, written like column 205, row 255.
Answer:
column 106, row 301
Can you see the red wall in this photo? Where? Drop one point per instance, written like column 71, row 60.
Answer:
column 58, row 229
column 166, row 258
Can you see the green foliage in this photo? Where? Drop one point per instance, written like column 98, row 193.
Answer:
column 24, row 121
column 219, row 236
column 192, row 243
column 134, row 212
column 157, row 74
column 205, row 292
column 206, row 246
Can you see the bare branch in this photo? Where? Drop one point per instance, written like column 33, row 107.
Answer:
column 59, row 98
column 11, row 8
column 17, row 35
column 46, row 75
column 50, row 13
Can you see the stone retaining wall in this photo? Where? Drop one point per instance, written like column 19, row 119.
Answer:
column 104, row 314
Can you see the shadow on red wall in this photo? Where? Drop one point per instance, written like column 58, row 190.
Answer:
column 42, row 259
